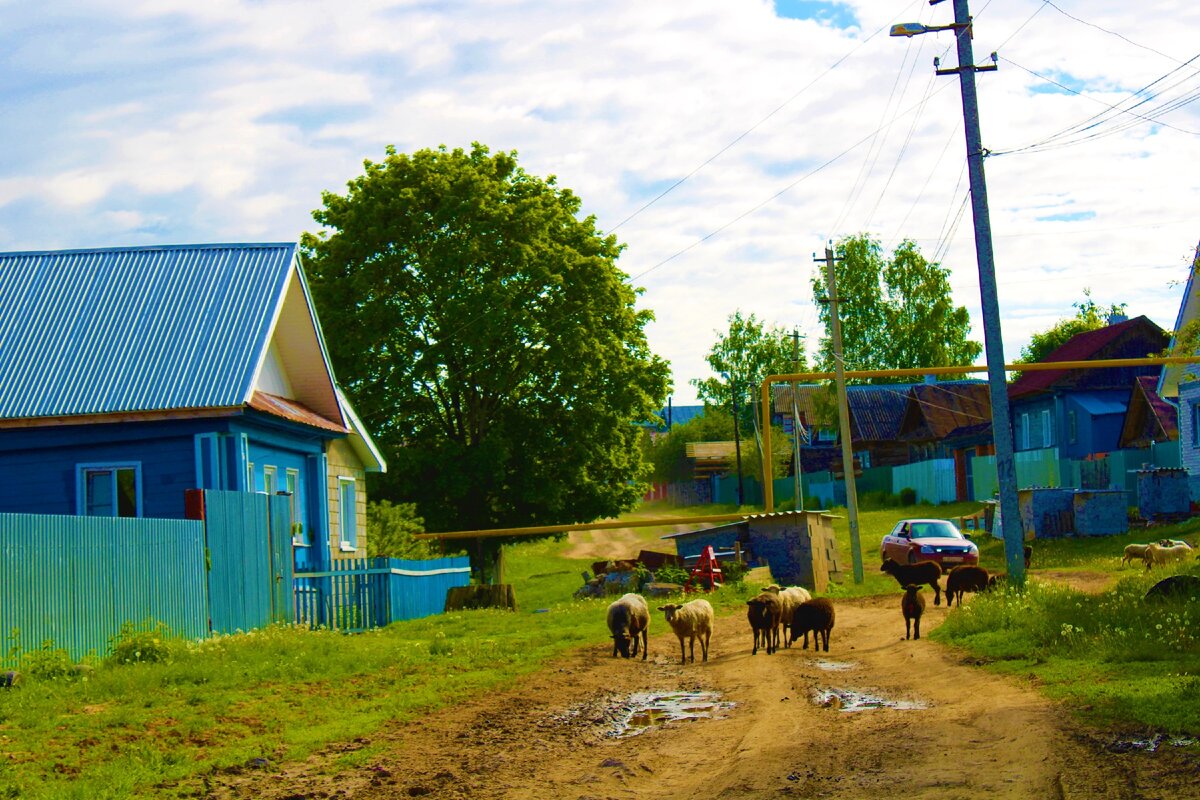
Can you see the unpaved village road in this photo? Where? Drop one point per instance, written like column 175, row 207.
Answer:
column 978, row 736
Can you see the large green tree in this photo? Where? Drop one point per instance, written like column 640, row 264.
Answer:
column 1088, row 317
column 896, row 312
column 483, row 331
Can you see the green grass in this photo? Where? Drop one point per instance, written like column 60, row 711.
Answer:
column 156, row 729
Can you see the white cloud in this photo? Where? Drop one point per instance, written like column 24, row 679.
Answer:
column 225, row 120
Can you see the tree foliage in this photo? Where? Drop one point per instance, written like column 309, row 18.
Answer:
column 484, row 333
column 668, row 452
column 741, row 357
column 1088, row 317
column 896, row 313
column 390, row 529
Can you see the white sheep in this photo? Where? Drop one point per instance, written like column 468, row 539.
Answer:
column 1157, row 554
column 691, row 621
column 789, row 599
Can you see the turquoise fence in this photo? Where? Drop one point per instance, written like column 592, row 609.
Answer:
column 76, row 580
column 360, row 594
column 1115, row 470
column 932, row 480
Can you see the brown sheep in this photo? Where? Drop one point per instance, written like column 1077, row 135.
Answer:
column 814, row 615
column 965, row 578
column 922, row 572
column 629, row 618
column 913, row 606
column 691, row 621
column 763, row 613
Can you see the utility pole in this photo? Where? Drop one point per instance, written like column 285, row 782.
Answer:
column 796, row 426
column 1006, row 472
column 839, row 370
column 737, row 443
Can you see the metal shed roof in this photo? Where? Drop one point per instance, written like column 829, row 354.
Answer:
column 137, row 328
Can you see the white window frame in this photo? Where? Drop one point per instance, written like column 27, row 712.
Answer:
column 270, row 486
column 291, row 483
column 81, row 474
column 347, row 522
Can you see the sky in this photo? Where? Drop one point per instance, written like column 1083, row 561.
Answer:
column 724, row 142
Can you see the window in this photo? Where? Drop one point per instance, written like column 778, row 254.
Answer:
column 1072, row 427
column 270, row 480
column 1196, row 424
column 347, row 514
column 1047, row 433
column 109, row 490
column 292, row 483
column 1024, row 431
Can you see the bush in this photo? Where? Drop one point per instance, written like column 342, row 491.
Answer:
column 908, row 496
column 48, row 663
column 134, row 645
column 669, row 573
column 734, row 572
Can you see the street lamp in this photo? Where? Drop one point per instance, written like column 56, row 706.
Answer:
column 1006, row 473
column 737, row 442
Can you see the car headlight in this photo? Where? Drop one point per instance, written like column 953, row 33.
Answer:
column 927, row 549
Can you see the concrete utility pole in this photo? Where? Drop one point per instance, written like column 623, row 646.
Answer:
column 1006, row 472
column 796, row 427
column 843, row 414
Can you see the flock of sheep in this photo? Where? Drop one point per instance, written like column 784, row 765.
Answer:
column 795, row 611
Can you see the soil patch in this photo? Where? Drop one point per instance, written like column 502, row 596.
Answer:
column 966, row 732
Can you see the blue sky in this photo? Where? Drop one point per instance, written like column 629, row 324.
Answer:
column 165, row 121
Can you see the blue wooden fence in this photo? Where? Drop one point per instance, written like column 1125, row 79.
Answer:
column 76, row 580
column 358, row 594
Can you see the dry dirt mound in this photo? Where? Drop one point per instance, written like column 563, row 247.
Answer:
column 970, row 733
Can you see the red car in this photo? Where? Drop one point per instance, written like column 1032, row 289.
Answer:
column 939, row 540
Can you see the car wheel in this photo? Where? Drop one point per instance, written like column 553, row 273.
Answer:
column 912, row 557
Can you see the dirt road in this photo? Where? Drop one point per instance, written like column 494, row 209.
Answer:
column 976, row 734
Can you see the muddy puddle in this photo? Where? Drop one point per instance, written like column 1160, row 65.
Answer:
column 834, row 666
column 851, row 700
column 1149, row 745
column 647, row 710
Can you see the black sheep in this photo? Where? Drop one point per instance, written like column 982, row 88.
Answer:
column 913, row 606
column 763, row 613
column 922, row 572
column 965, row 578
column 814, row 615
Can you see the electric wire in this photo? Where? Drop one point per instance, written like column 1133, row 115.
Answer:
column 1120, row 36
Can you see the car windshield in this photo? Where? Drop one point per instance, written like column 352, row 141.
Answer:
column 934, row 529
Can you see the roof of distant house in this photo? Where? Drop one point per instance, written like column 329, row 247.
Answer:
column 1102, row 343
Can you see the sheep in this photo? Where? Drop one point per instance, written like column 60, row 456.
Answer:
column 964, row 578
column 1138, row 551
column 912, row 605
column 919, row 573
column 789, row 598
column 693, row 621
column 1157, row 554
column 763, row 613
column 814, row 615
column 1028, row 555
column 997, row 580
column 629, row 618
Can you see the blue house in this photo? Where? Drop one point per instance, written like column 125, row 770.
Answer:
column 131, row 375
column 1082, row 411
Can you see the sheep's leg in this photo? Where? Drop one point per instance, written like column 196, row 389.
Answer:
column 704, row 644
column 645, row 643
column 937, row 593
column 907, row 628
column 825, row 637
column 917, row 627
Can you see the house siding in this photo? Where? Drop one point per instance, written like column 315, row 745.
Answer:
column 344, row 462
column 1189, row 435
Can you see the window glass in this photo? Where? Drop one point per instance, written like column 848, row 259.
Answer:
column 270, row 480
column 109, row 491
column 127, row 492
column 99, row 493
column 347, row 512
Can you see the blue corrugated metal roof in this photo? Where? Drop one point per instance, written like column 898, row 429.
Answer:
column 135, row 329
column 1098, row 404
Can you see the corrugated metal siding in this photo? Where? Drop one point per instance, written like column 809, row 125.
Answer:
column 76, row 580
column 103, row 331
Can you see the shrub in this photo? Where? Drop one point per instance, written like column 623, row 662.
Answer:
column 134, row 645
column 48, row 663
column 908, row 496
column 734, row 572
column 669, row 573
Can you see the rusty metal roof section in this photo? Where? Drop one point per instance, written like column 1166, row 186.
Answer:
column 935, row 411
column 292, row 410
column 1149, row 418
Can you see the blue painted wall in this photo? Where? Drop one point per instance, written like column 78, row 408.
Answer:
column 1189, row 435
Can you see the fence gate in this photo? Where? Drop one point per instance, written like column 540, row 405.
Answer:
column 248, row 548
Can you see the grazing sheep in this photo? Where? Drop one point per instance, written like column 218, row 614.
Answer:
column 997, row 580
column 913, row 606
column 922, row 572
column 789, row 598
column 763, row 613
column 691, row 621
column 1157, row 554
column 1138, row 551
column 629, row 618
column 814, row 615
column 1028, row 555
column 964, row 578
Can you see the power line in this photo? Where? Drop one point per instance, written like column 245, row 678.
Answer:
column 1120, row 36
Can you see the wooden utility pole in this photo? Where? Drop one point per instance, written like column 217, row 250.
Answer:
column 843, row 413
column 796, row 427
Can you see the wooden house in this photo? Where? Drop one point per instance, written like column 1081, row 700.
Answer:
column 951, row 419
column 131, row 375
column 1082, row 411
